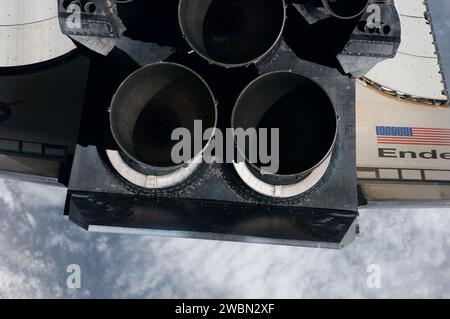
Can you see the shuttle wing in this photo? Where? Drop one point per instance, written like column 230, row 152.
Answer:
column 403, row 119
column 415, row 71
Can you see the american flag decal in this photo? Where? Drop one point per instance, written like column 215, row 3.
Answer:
column 413, row 136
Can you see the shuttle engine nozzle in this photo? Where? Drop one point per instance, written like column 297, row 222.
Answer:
column 306, row 119
column 153, row 102
column 232, row 33
column 345, row 9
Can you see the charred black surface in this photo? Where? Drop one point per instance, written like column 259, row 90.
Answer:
column 320, row 42
column 105, row 76
column 151, row 21
column 226, row 84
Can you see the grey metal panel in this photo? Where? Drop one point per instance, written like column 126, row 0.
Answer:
column 44, row 104
column 212, row 220
column 29, row 166
column 30, row 33
column 36, row 179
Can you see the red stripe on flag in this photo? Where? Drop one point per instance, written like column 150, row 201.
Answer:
column 420, row 139
column 411, row 143
column 430, row 129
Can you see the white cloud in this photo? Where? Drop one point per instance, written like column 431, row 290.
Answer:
column 411, row 247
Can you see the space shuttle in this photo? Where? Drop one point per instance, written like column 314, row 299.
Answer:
column 402, row 118
column 90, row 91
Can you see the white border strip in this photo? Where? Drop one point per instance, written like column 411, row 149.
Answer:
column 150, row 181
column 282, row 191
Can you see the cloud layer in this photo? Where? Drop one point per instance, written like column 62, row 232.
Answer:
column 37, row 244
